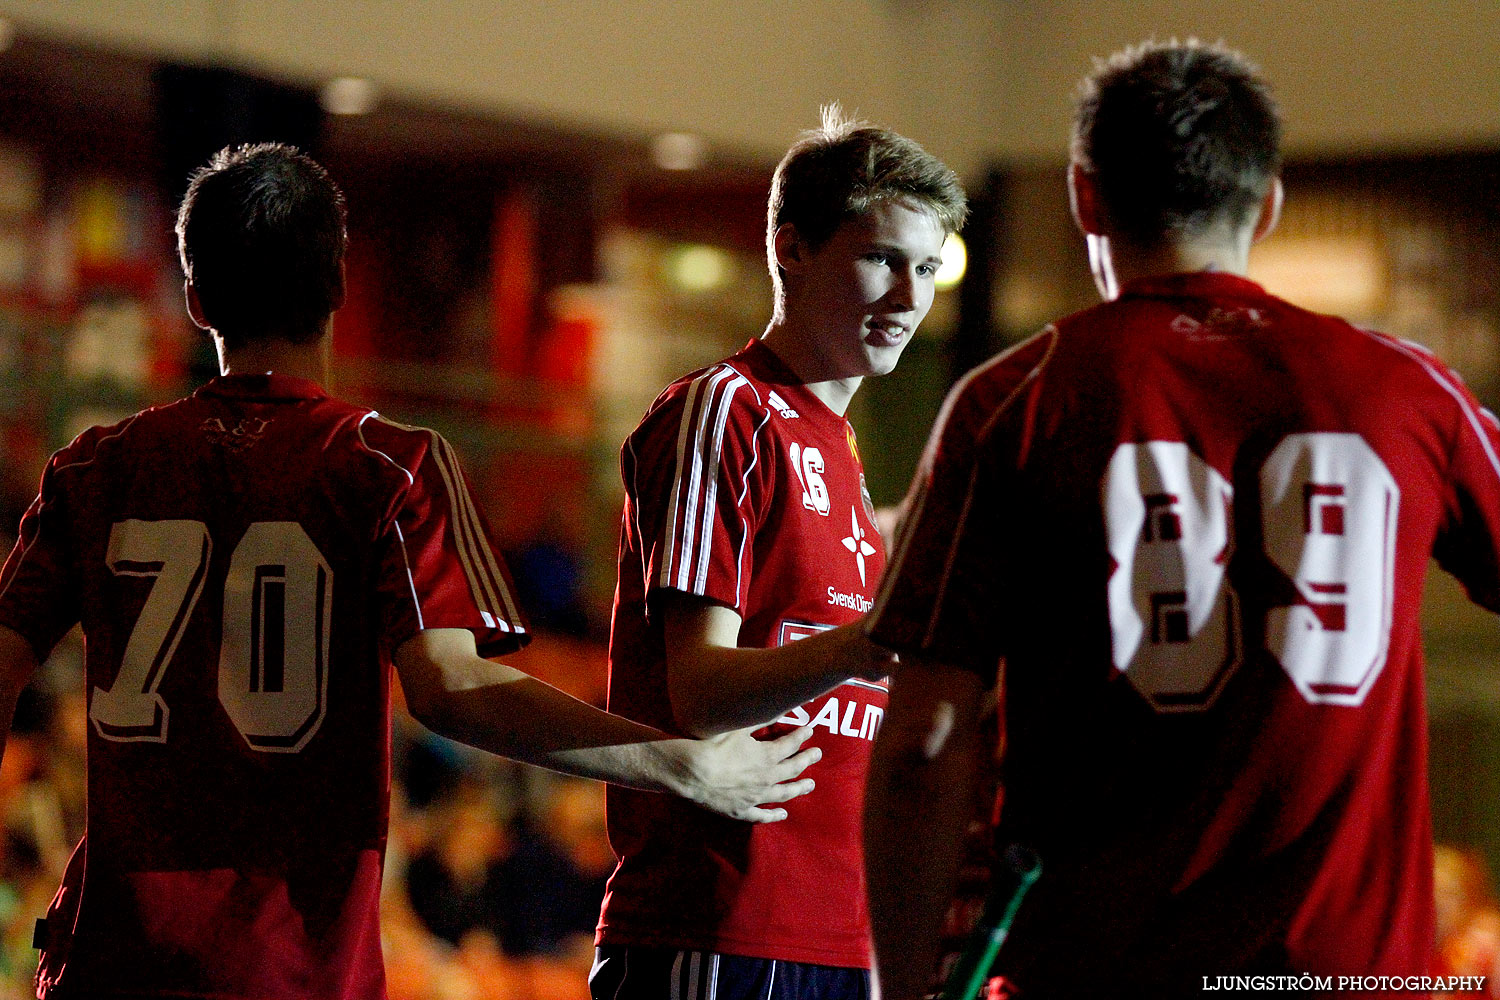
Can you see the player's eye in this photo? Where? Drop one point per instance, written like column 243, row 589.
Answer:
column 927, row 270
column 878, row 257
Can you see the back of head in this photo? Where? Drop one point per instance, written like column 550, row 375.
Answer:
column 261, row 236
column 844, row 168
column 1179, row 136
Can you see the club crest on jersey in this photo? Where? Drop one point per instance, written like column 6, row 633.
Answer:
column 244, row 434
column 781, row 406
column 808, row 465
column 856, row 543
column 1220, row 324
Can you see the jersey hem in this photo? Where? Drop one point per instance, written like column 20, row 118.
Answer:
column 732, row 946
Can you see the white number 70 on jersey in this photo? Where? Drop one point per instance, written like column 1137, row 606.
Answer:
column 273, row 650
column 1328, row 509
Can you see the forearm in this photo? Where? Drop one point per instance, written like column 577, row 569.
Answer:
column 918, row 802
column 497, row 708
column 733, row 688
column 516, row 716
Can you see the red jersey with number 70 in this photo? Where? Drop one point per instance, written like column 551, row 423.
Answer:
column 243, row 562
column 1195, row 523
column 744, row 489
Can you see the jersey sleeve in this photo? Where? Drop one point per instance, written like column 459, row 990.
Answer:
column 38, row 588
column 1468, row 541
column 696, row 486
column 941, row 595
column 439, row 566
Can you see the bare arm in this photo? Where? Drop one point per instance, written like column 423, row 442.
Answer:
column 918, row 801
column 456, row 693
column 17, row 664
column 715, row 686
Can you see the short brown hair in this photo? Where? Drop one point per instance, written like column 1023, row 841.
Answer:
column 261, row 235
column 1178, row 136
column 844, row 168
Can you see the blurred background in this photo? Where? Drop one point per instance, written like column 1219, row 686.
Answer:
column 556, row 209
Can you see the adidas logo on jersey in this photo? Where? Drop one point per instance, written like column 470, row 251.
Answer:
column 782, row 407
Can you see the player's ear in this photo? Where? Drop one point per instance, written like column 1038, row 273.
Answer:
column 194, row 306
column 791, row 250
column 341, row 291
column 1083, row 199
column 1270, row 210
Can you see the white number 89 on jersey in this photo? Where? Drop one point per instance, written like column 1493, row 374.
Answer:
column 1328, row 508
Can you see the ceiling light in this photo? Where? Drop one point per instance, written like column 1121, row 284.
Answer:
column 349, row 95
column 955, row 262
column 678, row 151
column 698, row 268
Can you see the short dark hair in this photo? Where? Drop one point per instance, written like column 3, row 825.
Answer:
column 261, row 234
column 844, row 168
column 1179, row 136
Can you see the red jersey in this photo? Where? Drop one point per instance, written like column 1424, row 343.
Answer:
column 745, row 489
column 243, row 562
column 1195, row 523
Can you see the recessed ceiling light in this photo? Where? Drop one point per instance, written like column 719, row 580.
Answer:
column 678, row 151
column 955, row 262
column 349, row 95
column 697, row 268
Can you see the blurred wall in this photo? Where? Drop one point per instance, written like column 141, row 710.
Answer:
column 975, row 80
column 1378, row 75
column 748, row 76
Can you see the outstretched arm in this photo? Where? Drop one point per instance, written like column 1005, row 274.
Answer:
column 918, row 801
column 17, row 664
column 458, row 694
column 716, row 686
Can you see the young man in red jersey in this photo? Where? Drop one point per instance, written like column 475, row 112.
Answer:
column 748, row 549
column 246, row 564
column 1194, row 522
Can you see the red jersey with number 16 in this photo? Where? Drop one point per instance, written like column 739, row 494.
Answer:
column 243, row 562
column 744, row 489
column 1195, row 522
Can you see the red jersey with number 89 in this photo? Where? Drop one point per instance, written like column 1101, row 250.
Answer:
column 243, row 563
column 745, row 489
column 1195, row 522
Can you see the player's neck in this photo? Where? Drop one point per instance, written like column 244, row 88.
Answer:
column 305, row 361
column 1116, row 263
column 796, row 346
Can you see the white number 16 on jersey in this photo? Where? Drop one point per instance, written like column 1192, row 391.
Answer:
column 1328, row 522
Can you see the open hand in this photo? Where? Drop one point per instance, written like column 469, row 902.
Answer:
column 738, row 776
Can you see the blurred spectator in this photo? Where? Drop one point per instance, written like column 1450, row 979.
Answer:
column 457, row 885
column 1468, row 918
column 549, row 572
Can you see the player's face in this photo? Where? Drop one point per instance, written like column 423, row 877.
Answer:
column 868, row 287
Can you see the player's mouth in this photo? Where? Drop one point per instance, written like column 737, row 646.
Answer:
column 885, row 333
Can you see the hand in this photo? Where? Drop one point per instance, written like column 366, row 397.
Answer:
column 869, row 660
column 736, row 775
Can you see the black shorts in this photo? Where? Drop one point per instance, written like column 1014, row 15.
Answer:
column 622, row 973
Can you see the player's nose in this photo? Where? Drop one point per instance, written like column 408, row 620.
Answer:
column 902, row 296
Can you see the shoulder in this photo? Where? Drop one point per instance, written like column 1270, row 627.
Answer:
column 712, row 403
column 401, row 449
column 999, row 383
column 104, row 442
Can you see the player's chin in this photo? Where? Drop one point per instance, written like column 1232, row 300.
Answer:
column 882, row 360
